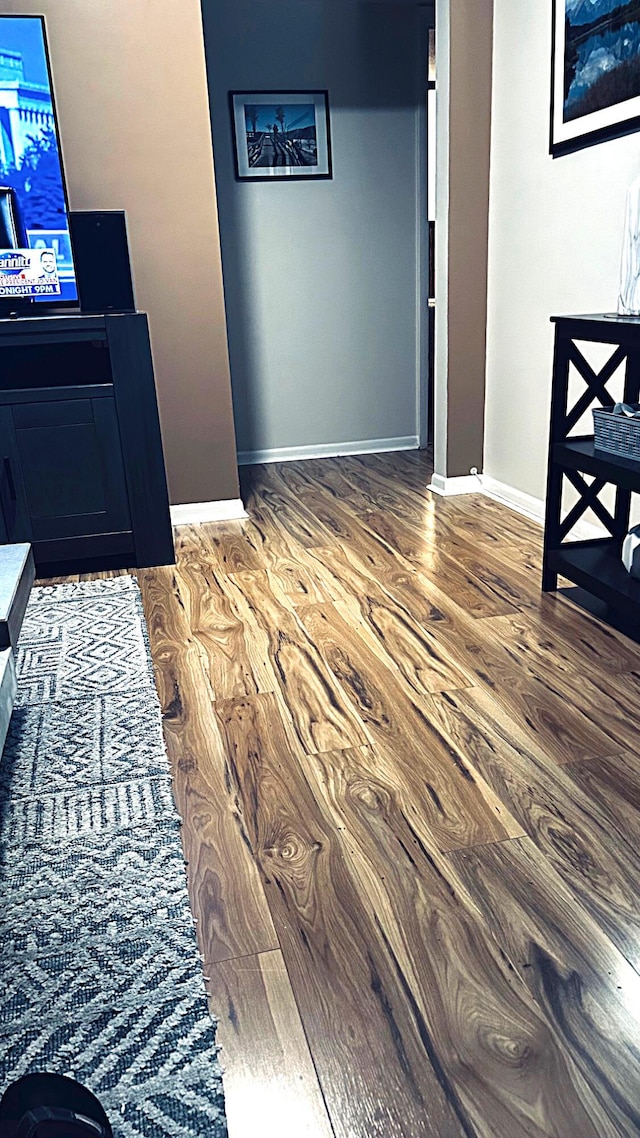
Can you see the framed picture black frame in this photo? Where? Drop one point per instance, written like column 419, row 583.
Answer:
column 595, row 73
column 281, row 135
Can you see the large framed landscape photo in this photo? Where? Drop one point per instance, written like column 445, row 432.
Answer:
column 281, row 134
column 595, row 72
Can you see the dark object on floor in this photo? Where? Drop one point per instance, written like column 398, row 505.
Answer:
column 51, row 1106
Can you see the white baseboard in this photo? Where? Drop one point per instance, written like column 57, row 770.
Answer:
column 467, row 484
column 517, row 500
column 533, row 508
column 193, row 513
column 327, row 450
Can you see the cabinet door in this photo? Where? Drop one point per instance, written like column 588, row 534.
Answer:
column 70, row 468
column 14, row 518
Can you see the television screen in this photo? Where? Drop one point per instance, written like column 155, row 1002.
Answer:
column 36, row 261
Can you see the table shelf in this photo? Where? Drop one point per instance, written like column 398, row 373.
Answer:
column 580, row 454
column 597, row 567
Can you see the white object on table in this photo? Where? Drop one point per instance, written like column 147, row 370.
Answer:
column 629, row 297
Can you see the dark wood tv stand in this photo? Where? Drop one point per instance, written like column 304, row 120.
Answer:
column 82, row 473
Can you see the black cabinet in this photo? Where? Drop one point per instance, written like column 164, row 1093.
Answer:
column 81, row 467
column 594, row 565
column 65, row 457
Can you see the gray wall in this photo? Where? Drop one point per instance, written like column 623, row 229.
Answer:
column 321, row 277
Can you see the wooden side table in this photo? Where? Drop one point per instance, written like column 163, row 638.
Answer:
column 595, row 565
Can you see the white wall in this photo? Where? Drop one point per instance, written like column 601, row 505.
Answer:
column 441, row 352
column 555, row 234
column 321, row 277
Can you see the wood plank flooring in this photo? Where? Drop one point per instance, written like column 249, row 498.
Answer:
column 410, row 788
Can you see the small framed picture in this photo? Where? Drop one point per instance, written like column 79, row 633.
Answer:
column 595, row 87
column 281, row 134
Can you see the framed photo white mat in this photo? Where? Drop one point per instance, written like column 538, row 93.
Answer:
column 595, row 72
column 281, row 135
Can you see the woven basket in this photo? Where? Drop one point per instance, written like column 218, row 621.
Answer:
column 616, row 434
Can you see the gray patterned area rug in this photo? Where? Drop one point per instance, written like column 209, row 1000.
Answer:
column 100, row 976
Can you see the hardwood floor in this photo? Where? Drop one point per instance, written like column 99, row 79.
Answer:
column 410, row 788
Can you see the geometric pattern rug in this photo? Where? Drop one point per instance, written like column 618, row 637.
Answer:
column 100, row 976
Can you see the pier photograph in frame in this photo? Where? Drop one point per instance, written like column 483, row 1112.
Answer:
column 281, row 134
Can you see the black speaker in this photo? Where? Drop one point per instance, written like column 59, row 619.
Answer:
column 101, row 256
